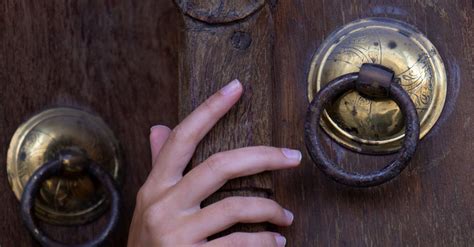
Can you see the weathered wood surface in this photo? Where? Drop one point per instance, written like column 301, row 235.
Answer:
column 219, row 11
column 431, row 203
column 213, row 55
column 119, row 59
column 114, row 58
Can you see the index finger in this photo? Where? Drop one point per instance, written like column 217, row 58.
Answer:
column 182, row 142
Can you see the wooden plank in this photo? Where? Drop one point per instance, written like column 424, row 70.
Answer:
column 213, row 55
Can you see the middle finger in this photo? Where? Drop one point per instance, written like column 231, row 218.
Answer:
column 214, row 172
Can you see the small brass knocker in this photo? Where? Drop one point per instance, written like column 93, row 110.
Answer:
column 64, row 165
column 373, row 81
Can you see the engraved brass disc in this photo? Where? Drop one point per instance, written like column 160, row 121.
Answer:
column 65, row 200
column 376, row 126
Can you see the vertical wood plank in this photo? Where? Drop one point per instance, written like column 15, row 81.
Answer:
column 213, row 55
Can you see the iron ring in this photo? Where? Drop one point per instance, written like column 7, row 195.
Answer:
column 55, row 167
column 329, row 93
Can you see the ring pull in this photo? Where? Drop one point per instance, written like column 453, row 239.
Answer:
column 70, row 161
column 373, row 81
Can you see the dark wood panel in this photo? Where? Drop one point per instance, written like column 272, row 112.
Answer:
column 114, row 58
column 119, row 60
column 430, row 204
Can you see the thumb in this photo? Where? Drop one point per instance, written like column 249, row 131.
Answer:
column 158, row 136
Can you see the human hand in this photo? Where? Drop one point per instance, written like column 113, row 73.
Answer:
column 168, row 211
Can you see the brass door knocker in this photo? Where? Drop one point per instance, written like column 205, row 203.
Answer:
column 376, row 86
column 64, row 165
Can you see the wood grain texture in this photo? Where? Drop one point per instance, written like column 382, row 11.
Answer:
column 430, row 204
column 117, row 59
column 212, row 56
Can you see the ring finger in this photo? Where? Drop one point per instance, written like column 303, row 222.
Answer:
column 232, row 210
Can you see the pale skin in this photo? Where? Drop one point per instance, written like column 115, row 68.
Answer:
column 168, row 211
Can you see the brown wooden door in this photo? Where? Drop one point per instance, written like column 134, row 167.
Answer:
column 430, row 203
column 119, row 59
column 115, row 59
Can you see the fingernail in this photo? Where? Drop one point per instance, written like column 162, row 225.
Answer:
column 281, row 241
column 292, row 154
column 157, row 126
column 289, row 215
column 231, row 87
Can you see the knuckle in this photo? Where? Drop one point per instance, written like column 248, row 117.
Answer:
column 214, row 164
column 149, row 218
column 153, row 215
column 262, row 202
column 235, row 208
column 267, row 240
column 237, row 239
column 177, row 134
column 169, row 239
column 251, row 239
column 275, row 211
column 210, row 106
column 181, row 134
column 146, row 193
column 142, row 196
column 231, row 207
column 273, row 206
column 270, row 209
column 266, row 151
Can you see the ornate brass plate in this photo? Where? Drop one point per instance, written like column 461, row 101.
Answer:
column 66, row 200
column 376, row 126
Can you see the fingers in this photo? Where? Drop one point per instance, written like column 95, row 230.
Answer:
column 241, row 239
column 158, row 136
column 182, row 142
column 209, row 176
column 232, row 210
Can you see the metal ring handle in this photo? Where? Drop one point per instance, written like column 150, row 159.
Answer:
column 336, row 88
column 55, row 168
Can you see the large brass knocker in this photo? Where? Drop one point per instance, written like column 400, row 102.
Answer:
column 376, row 86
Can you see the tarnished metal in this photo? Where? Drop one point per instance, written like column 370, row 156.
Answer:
column 342, row 85
column 374, row 81
column 376, row 126
column 69, row 158
column 65, row 200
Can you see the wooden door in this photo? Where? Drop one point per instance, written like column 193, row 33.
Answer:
column 122, row 60
column 430, row 203
column 115, row 59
